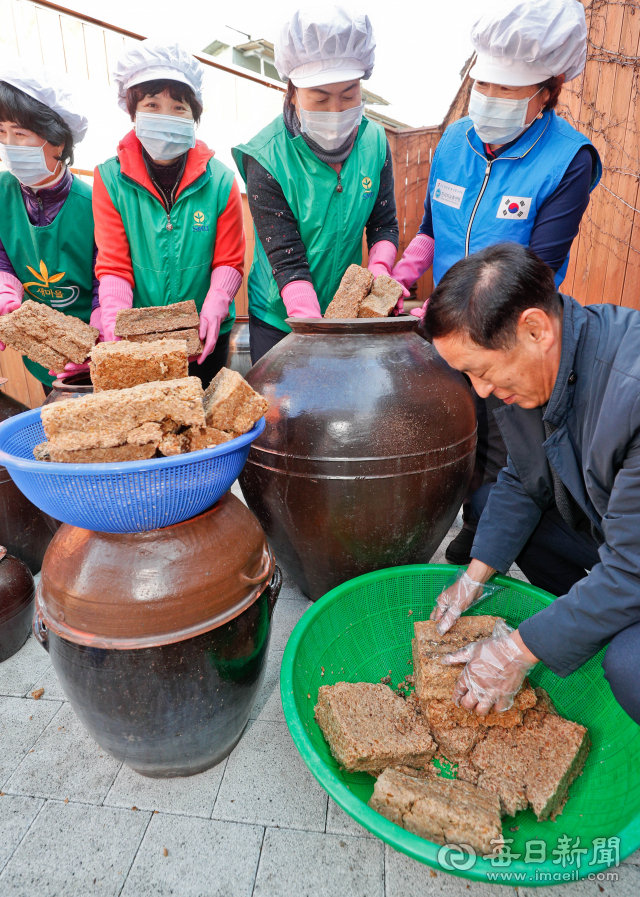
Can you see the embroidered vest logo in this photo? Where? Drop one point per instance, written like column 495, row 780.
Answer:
column 366, row 185
column 200, row 226
column 40, row 288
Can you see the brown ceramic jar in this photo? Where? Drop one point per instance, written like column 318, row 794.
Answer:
column 17, row 592
column 160, row 639
column 25, row 530
column 367, row 452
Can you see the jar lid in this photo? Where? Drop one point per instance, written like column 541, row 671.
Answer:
column 140, row 590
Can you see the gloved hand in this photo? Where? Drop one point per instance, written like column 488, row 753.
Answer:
column 382, row 258
column 495, row 670
column 71, row 368
column 300, row 300
column 11, row 293
column 115, row 293
column 461, row 594
column 420, row 312
column 416, row 259
column 225, row 283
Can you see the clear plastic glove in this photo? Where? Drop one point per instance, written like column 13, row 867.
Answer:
column 461, row 594
column 494, row 672
column 382, row 258
column 225, row 283
column 416, row 259
column 11, row 292
column 115, row 294
column 300, row 300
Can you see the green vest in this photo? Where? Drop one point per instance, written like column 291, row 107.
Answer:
column 171, row 265
column 330, row 223
column 54, row 263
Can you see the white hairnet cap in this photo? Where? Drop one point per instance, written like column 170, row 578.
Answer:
column 325, row 45
column 52, row 90
column 522, row 42
column 151, row 59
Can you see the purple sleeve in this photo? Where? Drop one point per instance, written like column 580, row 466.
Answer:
column 5, row 264
column 95, row 302
column 558, row 218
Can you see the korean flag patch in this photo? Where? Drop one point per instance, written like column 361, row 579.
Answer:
column 514, row 208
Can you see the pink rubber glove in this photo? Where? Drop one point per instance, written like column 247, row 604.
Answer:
column 416, row 259
column 115, row 293
column 420, row 312
column 382, row 258
column 71, row 368
column 495, row 670
column 300, row 300
column 225, row 283
column 11, row 293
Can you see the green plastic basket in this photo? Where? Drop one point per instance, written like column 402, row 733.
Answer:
column 362, row 629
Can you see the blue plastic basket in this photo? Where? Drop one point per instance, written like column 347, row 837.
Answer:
column 131, row 497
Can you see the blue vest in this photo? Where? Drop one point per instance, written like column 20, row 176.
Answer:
column 476, row 203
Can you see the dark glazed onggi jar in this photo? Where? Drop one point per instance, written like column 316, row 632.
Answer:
column 367, row 453
column 160, row 639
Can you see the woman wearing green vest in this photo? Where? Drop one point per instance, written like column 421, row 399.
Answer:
column 169, row 222
column 47, row 247
column 316, row 177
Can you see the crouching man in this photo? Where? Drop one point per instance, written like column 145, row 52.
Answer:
column 567, row 505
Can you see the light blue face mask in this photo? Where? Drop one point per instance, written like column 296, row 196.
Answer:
column 497, row 120
column 26, row 163
column 165, row 137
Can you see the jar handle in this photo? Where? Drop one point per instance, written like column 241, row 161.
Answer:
column 264, row 572
column 274, row 588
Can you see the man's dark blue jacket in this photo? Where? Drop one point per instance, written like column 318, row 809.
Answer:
column 595, row 450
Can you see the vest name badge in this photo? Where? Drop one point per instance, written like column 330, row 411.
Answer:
column 448, row 194
column 514, row 208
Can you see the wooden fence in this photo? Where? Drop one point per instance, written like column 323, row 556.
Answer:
column 603, row 104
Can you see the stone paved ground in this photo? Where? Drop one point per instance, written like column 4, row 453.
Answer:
column 257, row 824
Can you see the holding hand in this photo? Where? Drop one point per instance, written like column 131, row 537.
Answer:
column 462, row 593
column 416, row 259
column 225, row 283
column 11, row 293
column 494, row 672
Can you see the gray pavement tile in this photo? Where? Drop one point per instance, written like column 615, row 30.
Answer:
column 285, row 617
column 203, row 858
column 266, row 782
column 290, row 590
column 184, row 795
column 634, row 859
column 22, row 721
column 339, row 823
column 19, row 673
column 52, row 688
column 65, row 763
column 268, row 705
column 73, row 850
column 405, row 877
column 627, row 884
column 16, row 815
column 305, row 864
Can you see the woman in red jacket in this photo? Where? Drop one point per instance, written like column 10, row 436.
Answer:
column 169, row 215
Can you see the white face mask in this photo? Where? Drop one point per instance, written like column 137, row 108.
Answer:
column 330, row 129
column 27, row 163
column 497, row 120
column 165, row 137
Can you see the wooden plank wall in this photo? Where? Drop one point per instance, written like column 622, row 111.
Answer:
column 603, row 104
column 412, row 152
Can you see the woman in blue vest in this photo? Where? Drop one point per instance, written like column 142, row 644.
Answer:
column 511, row 171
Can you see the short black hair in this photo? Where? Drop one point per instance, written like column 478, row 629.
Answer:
column 482, row 296
column 178, row 91
column 18, row 107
